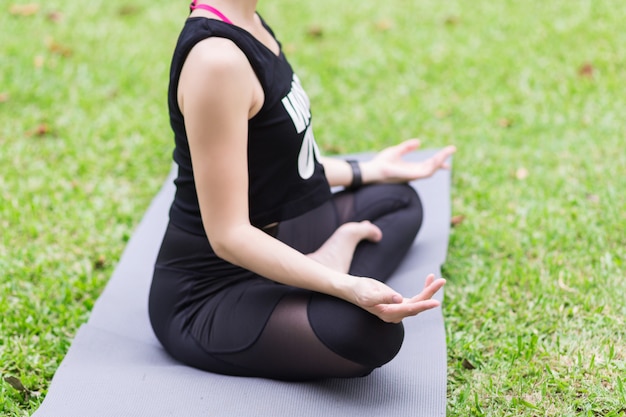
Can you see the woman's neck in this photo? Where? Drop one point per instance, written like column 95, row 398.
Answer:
column 240, row 12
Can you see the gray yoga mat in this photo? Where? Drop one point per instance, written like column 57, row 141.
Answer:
column 115, row 366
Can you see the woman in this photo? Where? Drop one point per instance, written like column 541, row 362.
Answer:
column 262, row 270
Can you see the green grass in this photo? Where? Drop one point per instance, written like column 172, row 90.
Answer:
column 535, row 302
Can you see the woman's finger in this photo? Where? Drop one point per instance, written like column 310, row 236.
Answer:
column 409, row 145
column 394, row 313
column 429, row 280
column 429, row 290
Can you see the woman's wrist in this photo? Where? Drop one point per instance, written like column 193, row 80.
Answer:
column 343, row 287
column 370, row 173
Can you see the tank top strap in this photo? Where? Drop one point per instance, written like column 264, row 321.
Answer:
column 194, row 5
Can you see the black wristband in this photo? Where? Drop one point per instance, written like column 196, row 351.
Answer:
column 357, row 178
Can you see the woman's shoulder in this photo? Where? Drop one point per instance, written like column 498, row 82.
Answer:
column 218, row 51
column 217, row 57
column 216, row 72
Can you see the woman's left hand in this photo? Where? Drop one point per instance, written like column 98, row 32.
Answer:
column 395, row 312
column 389, row 167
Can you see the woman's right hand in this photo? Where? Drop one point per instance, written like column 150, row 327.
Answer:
column 388, row 305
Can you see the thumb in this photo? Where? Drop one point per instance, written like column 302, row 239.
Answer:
column 387, row 297
column 392, row 298
column 370, row 292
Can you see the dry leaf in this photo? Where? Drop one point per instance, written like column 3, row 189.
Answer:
column 452, row 20
column 100, row 262
column 128, row 10
column 521, row 173
column 57, row 48
column 441, row 114
column 112, row 93
column 17, row 385
column 24, row 9
column 586, row 70
column 315, row 31
column 55, row 17
column 4, row 97
column 38, row 61
column 594, row 198
column 384, row 25
column 41, row 130
column 565, row 287
column 504, row 122
column 467, row 364
column 457, row 220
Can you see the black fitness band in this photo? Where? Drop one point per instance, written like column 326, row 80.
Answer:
column 357, row 178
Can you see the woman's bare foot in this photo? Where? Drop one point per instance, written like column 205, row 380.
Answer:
column 338, row 250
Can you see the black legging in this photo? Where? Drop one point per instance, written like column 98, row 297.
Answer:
column 221, row 318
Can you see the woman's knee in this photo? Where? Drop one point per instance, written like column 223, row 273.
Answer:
column 414, row 206
column 353, row 333
column 383, row 199
column 409, row 196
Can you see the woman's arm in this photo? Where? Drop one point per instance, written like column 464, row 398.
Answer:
column 387, row 166
column 218, row 93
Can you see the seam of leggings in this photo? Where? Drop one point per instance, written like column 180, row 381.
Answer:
column 249, row 345
column 308, row 315
column 245, row 370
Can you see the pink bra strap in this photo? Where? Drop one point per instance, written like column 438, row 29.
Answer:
column 195, row 5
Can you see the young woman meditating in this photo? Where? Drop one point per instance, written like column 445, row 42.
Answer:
column 263, row 271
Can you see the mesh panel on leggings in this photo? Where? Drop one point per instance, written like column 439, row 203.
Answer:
column 289, row 349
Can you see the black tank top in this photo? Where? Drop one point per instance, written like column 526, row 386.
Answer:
column 285, row 176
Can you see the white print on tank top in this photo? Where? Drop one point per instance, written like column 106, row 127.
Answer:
column 298, row 106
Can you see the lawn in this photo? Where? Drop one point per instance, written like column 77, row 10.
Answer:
column 532, row 94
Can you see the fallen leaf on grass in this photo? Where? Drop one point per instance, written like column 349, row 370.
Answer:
column 24, row 9
column 565, row 287
column 57, row 48
column 4, row 97
column 55, row 17
column 467, row 364
column 128, row 10
column 112, row 93
column 38, row 61
column 441, row 114
column 586, row 70
column 457, row 220
column 452, row 20
column 17, row 385
column 100, row 262
column 41, row 130
column 383, row 25
column 504, row 122
column 315, row 31
column 521, row 173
